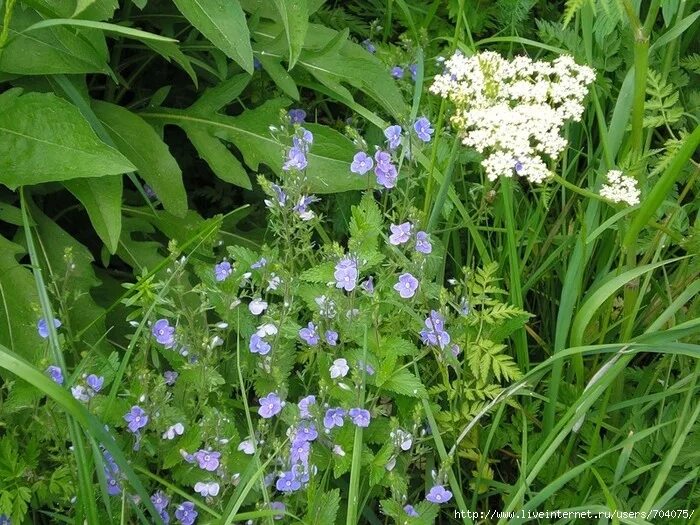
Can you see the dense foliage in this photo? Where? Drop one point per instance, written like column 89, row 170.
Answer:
column 365, row 261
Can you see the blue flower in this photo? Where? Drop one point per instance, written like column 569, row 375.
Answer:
column 360, row 417
column 95, row 382
column 270, row 406
column 43, row 328
column 397, row 72
column 164, row 333
column 423, row 129
column 333, row 418
column 423, row 243
column 406, row 286
column 309, row 334
column 438, row 494
column 413, row 68
column 258, row 345
column 408, row 509
column 400, row 233
column 306, row 431
column 170, row 377
column 288, row 482
column 56, row 375
column 434, row 333
column 369, row 46
column 393, row 136
column 208, row 460
column 304, row 405
column 297, row 116
column 136, row 418
column 361, row 163
column 385, row 171
column 222, row 271
column 300, row 451
column 346, row 274
column 259, row 263
column 185, row 513
column 160, row 501
column 296, row 159
column 331, row 337
column 280, row 507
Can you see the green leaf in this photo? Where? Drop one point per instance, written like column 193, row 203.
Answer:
column 44, row 138
column 279, row 76
column 102, row 26
column 329, row 159
column 102, row 198
column 220, row 159
column 224, row 24
column 53, row 50
column 17, row 296
column 151, row 156
column 170, row 51
column 295, row 18
column 405, row 383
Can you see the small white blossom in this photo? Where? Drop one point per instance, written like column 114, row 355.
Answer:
column 273, row 282
column 257, row 306
column 266, row 329
column 247, row 447
column 339, row 368
column 620, row 188
column 175, row 430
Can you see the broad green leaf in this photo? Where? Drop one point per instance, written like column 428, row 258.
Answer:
column 215, row 98
column 84, row 9
column 151, row 156
column 295, row 18
column 220, row 159
column 139, row 254
column 170, row 51
column 18, row 296
column 223, row 22
column 53, row 50
column 329, row 159
column 102, row 198
column 101, row 26
column 44, row 138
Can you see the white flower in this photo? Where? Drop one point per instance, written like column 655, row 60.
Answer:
column 80, row 393
column 266, row 329
column 175, row 430
column 620, row 188
column 207, row 489
column 273, row 282
column 513, row 111
column 402, row 438
column 247, row 447
column 338, row 450
column 257, row 306
column 339, row 368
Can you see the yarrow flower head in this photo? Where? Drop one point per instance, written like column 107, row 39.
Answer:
column 400, row 233
column 406, row 286
column 620, row 188
column 393, row 136
column 164, row 333
column 136, row 418
column 361, row 163
column 438, row 494
column 43, row 328
column 222, row 271
column 423, row 129
column 513, row 111
column 346, row 274
column 270, row 406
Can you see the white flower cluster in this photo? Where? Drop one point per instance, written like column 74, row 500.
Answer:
column 620, row 188
column 512, row 111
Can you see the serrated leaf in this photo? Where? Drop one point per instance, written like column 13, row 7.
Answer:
column 224, row 24
column 147, row 151
column 324, row 508
column 45, row 138
column 279, row 76
column 405, row 383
